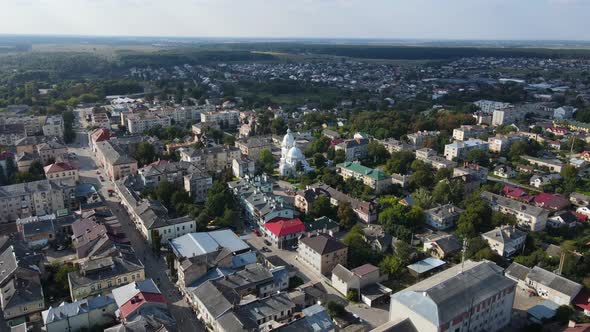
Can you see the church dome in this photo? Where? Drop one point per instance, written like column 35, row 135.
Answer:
column 288, row 140
column 295, row 154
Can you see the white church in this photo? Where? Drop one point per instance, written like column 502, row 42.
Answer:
column 291, row 156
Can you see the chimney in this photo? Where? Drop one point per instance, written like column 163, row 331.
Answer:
column 571, row 324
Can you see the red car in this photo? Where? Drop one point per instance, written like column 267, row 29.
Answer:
column 257, row 232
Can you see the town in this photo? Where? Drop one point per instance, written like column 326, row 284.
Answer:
column 339, row 194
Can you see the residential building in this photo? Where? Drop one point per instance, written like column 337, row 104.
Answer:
column 529, row 217
column 315, row 318
column 211, row 159
column 540, row 180
column 80, row 315
column 429, row 156
column 473, row 169
column 194, row 181
column 61, row 170
column 358, row 278
column 442, row 246
column 489, row 106
column 565, row 218
column 139, row 298
column 243, row 166
column 375, row 179
column 393, row 145
column 459, row 150
column 322, row 253
column 354, row 149
column 506, row 240
column 38, row 232
column 466, row 132
column 504, row 172
column 224, row 119
column 138, row 123
column 53, row 126
column 116, row 162
column 36, row 198
column 284, row 233
column 150, row 216
column 579, row 199
column 552, row 202
column 51, row 151
column 546, row 284
column 197, row 185
column 99, row 276
column 507, row 116
column 564, row 113
column 98, row 135
column 11, row 133
column 551, row 165
column 473, row 296
column 419, row 138
column 364, row 210
column 443, row 217
column 252, row 146
column 257, row 199
column 501, row 143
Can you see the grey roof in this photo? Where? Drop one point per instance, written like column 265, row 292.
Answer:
column 315, row 319
column 445, row 211
column 323, row 244
column 263, row 308
column 448, row 244
column 512, row 204
column 253, row 274
column 554, row 281
column 505, row 234
column 400, row 325
column 103, row 268
column 15, row 128
column 342, row 273
column 114, row 154
column 194, row 244
column 448, row 294
column 517, row 271
column 125, row 293
column 216, row 301
column 426, row 265
column 66, row 310
column 159, row 321
column 25, row 292
column 230, row 322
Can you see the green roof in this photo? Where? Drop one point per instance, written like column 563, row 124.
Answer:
column 320, row 223
column 356, row 167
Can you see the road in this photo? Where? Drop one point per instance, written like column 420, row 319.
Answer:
column 513, row 184
column 155, row 267
column 372, row 317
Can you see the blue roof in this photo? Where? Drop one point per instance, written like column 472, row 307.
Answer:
column 426, row 265
column 543, row 310
column 243, row 259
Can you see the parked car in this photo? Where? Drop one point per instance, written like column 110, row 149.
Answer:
column 267, row 242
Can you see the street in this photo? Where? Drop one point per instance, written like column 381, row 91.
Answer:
column 155, row 267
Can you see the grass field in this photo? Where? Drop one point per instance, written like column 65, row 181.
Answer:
column 109, row 51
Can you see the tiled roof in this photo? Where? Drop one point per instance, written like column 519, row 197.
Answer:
column 283, row 227
column 59, row 166
column 323, row 244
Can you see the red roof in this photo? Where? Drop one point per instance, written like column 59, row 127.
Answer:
column 283, row 227
column 550, row 201
column 101, row 134
column 364, row 269
column 5, row 155
column 59, row 166
column 140, row 299
column 336, row 141
column 582, row 300
column 516, row 193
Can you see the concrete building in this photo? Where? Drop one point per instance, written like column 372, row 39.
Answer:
column 54, row 126
column 358, row 278
column 284, row 233
column 51, row 150
column 36, row 198
column 466, row 132
column 505, row 240
column 564, row 113
column 443, row 217
column 150, row 216
column 419, row 138
column 61, row 170
column 224, row 119
column 459, row 150
column 211, row 159
column 546, row 284
column 551, row 165
column 243, row 166
column 375, row 179
column 322, row 253
column 507, row 116
column 489, row 106
column 529, row 217
column 473, row 296
column 252, row 146
column 99, row 276
column 80, row 315
column 116, row 162
column 139, row 123
column 354, row 149
column 11, row 133
column 501, row 143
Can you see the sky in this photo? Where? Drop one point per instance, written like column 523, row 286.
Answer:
column 388, row 19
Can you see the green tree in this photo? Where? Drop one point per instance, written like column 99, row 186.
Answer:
column 399, row 162
column 346, row 215
column 564, row 313
column 319, row 160
column 391, row 265
column 321, row 207
column 422, row 178
column 423, row 198
column 156, row 241
column 164, row 191
column 278, row 126
column 145, row 153
column 339, row 156
column 359, row 251
column 335, row 309
column 352, row 295
column 266, row 161
column 446, row 191
column 377, row 153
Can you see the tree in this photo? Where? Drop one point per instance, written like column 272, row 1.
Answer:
column 564, row 313
column 145, row 153
column 164, row 191
column 477, row 214
column 339, row 156
column 399, row 162
column 569, row 173
column 446, row 191
column 321, row 207
column 423, row 198
column 3, row 178
column 346, row 215
column 421, row 178
column 278, row 126
column 319, row 160
column 377, row 153
column 403, row 251
column 500, row 219
column 37, row 170
column 335, row 309
column 352, row 295
column 478, row 156
column 266, row 161
column 359, row 251
column 391, row 265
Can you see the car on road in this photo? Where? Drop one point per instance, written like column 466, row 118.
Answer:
column 267, row 242
column 265, row 249
column 97, row 172
column 101, row 178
